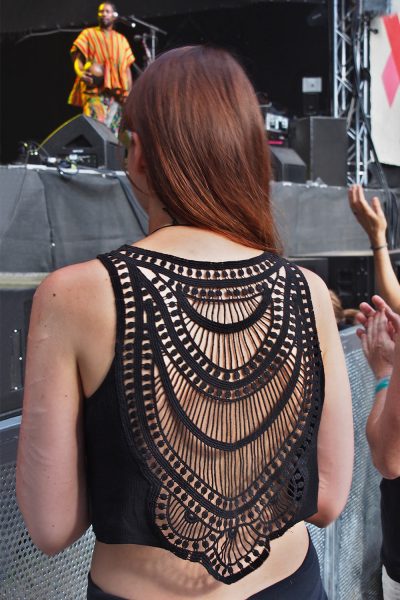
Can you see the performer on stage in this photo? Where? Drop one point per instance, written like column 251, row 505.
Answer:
column 102, row 60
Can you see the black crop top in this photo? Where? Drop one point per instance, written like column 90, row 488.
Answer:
column 202, row 437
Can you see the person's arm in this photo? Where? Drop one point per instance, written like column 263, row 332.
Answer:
column 335, row 436
column 383, row 355
column 79, row 67
column 51, row 488
column 373, row 221
column 127, row 60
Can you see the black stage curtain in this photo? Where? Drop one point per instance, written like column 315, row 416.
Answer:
column 19, row 16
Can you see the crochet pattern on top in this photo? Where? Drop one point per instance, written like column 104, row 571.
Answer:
column 221, row 399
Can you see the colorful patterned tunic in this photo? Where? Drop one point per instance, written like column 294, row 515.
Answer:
column 111, row 50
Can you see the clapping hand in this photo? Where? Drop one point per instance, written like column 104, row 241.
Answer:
column 381, row 329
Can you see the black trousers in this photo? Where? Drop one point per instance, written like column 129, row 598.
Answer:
column 303, row 584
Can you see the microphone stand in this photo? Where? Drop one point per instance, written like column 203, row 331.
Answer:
column 153, row 34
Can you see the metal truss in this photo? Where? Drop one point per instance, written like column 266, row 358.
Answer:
column 351, row 82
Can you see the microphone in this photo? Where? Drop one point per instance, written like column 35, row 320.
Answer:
column 125, row 20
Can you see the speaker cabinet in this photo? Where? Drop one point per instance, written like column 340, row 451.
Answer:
column 322, row 143
column 91, row 143
column 287, row 165
column 16, row 306
column 377, row 7
column 351, row 275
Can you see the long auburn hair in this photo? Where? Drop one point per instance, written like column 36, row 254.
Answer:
column 204, row 144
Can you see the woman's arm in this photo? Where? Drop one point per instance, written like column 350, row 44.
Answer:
column 385, row 442
column 50, row 468
column 335, row 437
column 372, row 219
column 383, row 355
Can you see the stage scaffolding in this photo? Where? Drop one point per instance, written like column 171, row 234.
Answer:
column 351, row 82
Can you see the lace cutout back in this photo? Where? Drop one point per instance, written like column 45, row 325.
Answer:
column 221, row 399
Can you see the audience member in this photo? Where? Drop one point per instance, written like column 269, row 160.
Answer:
column 372, row 219
column 345, row 317
column 381, row 344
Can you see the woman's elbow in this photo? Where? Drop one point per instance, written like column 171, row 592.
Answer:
column 50, row 541
column 385, row 454
column 330, row 507
column 46, row 539
column 50, row 537
column 325, row 516
column 47, row 546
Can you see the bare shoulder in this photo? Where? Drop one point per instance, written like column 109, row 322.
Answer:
column 74, row 282
column 74, row 294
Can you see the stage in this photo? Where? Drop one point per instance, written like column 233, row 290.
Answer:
column 49, row 220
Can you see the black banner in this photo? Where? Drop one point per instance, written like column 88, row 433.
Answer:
column 20, row 16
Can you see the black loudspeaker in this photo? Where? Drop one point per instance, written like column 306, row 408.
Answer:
column 16, row 306
column 287, row 165
column 322, row 143
column 351, row 276
column 377, row 7
column 89, row 143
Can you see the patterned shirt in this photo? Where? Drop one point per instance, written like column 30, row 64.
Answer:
column 109, row 49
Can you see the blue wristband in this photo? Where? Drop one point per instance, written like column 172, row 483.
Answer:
column 382, row 384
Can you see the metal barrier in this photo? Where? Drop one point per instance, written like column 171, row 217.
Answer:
column 348, row 549
column 26, row 573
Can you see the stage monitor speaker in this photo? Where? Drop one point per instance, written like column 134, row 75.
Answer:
column 350, row 275
column 91, row 143
column 353, row 276
column 322, row 143
column 287, row 165
column 377, row 7
column 16, row 303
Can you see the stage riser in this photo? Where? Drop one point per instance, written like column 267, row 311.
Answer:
column 317, row 219
column 48, row 221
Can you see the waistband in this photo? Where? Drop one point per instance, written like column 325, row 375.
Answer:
column 304, row 584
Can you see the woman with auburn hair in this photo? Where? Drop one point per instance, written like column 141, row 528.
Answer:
column 187, row 395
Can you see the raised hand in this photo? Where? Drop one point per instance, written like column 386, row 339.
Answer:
column 371, row 217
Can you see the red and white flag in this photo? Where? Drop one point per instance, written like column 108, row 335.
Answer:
column 385, row 86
